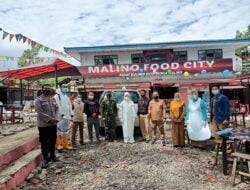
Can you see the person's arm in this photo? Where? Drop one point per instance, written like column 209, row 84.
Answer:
column 203, row 110
column 164, row 109
column 226, row 106
column 103, row 110
column 183, row 113
column 115, row 108
column 133, row 110
column 149, row 109
column 187, row 112
column 58, row 104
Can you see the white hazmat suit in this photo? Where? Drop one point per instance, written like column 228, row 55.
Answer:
column 127, row 114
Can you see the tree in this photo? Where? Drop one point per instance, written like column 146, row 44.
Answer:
column 244, row 34
column 244, row 53
column 29, row 57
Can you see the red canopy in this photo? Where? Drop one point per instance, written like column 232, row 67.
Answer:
column 42, row 70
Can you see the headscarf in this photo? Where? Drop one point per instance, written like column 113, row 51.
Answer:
column 176, row 106
column 127, row 94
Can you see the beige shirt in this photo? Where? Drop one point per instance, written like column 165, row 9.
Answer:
column 78, row 112
column 157, row 110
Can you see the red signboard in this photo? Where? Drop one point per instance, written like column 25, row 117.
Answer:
column 148, row 69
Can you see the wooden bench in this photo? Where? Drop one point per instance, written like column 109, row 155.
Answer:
column 240, row 157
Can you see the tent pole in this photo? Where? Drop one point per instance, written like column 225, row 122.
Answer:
column 21, row 92
column 56, row 77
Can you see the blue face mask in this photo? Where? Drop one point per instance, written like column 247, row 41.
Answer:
column 215, row 92
column 194, row 97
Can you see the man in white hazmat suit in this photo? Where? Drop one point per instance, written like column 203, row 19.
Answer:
column 65, row 114
column 127, row 114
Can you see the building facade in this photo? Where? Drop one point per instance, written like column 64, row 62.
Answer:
column 167, row 66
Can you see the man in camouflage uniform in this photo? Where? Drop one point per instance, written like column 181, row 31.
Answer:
column 109, row 113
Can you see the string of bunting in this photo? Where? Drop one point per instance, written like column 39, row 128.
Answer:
column 32, row 43
column 11, row 58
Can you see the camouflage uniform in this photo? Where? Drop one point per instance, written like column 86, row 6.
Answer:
column 109, row 112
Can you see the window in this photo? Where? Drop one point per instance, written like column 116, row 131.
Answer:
column 210, row 54
column 156, row 58
column 106, row 60
column 180, row 56
column 137, row 58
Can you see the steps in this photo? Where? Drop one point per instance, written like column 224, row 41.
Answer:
column 19, row 155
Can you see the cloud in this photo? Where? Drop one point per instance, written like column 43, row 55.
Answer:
column 57, row 23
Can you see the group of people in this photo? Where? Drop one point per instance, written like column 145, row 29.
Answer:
column 56, row 112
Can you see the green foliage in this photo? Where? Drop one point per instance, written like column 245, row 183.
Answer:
column 244, row 34
column 50, row 81
column 29, row 57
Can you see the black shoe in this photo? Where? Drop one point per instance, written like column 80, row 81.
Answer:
column 147, row 141
column 45, row 164
column 153, row 141
column 163, row 143
column 81, row 143
column 54, row 159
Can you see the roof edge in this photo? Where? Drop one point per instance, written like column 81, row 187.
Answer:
column 155, row 45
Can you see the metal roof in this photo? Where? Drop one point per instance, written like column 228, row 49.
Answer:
column 139, row 46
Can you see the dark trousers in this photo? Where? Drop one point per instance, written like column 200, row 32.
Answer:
column 74, row 131
column 47, row 137
column 93, row 121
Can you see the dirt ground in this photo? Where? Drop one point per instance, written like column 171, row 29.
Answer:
column 119, row 166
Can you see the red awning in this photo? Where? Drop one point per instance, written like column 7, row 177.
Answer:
column 42, row 70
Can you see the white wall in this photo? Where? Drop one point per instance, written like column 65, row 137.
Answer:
column 124, row 57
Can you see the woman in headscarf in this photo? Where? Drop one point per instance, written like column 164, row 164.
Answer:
column 196, row 119
column 127, row 116
column 177, row 107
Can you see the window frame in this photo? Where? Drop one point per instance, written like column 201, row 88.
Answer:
column 206, row 54
column 96, row 58
column 135, row 54
column 178, row 52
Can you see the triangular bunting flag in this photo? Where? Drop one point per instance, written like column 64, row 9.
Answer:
column 46, row 49
column 24, row 39
column 11, row 37
column 29, row 41
column 5, row 34
column 18, row 37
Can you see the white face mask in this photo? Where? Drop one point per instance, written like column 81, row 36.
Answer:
column 78, row 100
column 126, row 98
column 91, row 97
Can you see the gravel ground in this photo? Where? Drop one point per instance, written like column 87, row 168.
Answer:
column 118, row 166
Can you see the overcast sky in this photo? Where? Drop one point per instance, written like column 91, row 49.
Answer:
column 60, row 23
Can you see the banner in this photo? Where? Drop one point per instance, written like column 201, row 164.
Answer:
column 148, row 69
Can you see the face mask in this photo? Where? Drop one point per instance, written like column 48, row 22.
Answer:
column 177, row 98
column 91, row 97
column 46, row 92
column 126, row 98
column 65, row 90
column 215, row 92
column 143, row 95
column 194, row 97
column 78, row 100
column 156, row 97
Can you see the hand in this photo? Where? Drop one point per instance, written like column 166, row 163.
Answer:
column 225, row 122
column 104, row 119
column 187, row 122
column 94, row 115
column 53, row 120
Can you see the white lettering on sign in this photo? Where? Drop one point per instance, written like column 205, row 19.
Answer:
column 210, row 63
column 93, row 70
column 154, row 67
column 187, row 65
